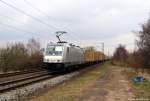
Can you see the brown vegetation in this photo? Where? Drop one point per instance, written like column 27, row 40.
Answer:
column 120, row 56
column 144, row 44
column 19, row 56
column 139, row 58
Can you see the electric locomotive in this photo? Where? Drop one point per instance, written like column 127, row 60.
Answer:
column 62, row 54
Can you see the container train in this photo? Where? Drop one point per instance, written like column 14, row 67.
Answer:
column 64, row 55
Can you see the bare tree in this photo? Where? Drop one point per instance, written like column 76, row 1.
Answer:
column 33, row 46
column 13, row 57
column 19, row 56
column 120, row 55
column 144, row 43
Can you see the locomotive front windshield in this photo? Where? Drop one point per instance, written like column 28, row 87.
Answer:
column 54, row 50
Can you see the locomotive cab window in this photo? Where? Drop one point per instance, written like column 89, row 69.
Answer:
column 55, row 50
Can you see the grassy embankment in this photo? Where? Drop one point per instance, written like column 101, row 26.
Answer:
column 141, row 90
column 72, row 89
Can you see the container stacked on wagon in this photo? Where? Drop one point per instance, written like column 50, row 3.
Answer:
column 92, row 56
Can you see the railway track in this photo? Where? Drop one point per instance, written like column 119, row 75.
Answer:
column 8, row 83
column 18, row 73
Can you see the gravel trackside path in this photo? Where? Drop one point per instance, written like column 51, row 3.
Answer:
column 104, row 83
column 112, row 86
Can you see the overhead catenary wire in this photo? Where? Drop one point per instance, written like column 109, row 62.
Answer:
column 15, row 28
column 37, row 9
column 45, row 14
column 25, row 13
column 19, row 29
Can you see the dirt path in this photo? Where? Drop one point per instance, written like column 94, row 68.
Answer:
column 113, row 86
column 104, row 83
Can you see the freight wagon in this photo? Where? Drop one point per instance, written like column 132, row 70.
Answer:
column 92, row 56
column 64, row 55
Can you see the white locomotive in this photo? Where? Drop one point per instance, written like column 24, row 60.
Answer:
column 63, row 54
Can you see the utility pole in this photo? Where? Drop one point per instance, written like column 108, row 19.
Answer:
column 103, row 47
column 108, row 54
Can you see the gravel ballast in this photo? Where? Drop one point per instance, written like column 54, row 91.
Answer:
column 24, row 92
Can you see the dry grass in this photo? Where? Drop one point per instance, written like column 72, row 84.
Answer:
column 72, row 89
column 141, row 90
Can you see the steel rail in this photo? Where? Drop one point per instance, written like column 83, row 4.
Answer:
column 12, row 84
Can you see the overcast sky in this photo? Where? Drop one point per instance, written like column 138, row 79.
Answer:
column 88, row 22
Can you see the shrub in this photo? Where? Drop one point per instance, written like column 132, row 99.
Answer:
column 120, row 55
column 17, row 57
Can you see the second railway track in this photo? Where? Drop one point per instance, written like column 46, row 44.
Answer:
column 15, row 81
column 2, row 75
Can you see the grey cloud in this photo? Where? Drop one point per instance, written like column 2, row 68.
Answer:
column 88, row 19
